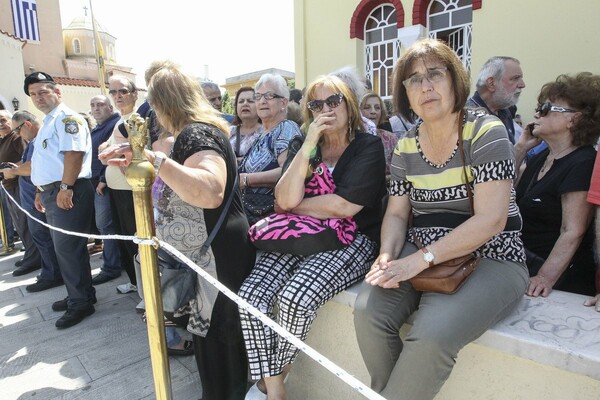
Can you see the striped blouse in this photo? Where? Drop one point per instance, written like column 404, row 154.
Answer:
column 438, row 193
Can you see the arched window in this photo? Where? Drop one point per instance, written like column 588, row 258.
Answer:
column 382, row 48
column 111, row 51
column 451, row 21
column 76, row 46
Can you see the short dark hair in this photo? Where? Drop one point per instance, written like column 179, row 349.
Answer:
column 236, row 119
column 582, row 93
column 296, row 95
column 433, row 48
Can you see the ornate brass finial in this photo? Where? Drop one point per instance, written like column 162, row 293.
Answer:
column 137, row 129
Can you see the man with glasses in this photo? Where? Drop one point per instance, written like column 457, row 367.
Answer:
column 49, row 277
column 12, row 147
column 213, row 95
column 106, row 119
column 5, row 129
column 61, row 168
column 499, row 86
column 123, row 91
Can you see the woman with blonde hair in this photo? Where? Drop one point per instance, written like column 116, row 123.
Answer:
column 337, row 149
column 194, row 182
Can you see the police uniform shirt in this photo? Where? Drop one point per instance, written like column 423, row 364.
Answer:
column 63, row 130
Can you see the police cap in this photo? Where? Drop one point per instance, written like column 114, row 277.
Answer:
column 36, row 77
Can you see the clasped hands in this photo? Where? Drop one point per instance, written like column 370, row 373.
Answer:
column 389, row 273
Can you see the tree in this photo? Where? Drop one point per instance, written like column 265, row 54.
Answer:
column 228, row 107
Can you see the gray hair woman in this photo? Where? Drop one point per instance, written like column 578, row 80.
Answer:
column 261, row 167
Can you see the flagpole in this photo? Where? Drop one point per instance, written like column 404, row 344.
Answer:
column 99, row 54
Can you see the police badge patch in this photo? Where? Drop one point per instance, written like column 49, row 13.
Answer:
column 71, row 126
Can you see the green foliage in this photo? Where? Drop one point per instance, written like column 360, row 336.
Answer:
column 228, row 107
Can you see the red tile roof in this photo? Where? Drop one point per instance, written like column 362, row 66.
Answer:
column 76, row 82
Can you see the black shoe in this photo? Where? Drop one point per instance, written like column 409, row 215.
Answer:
column 102, row 278
column 188, row 349
column 22, row 270
column 73, row 317
column 43, row 284
column 61, row 305
column 19, row 263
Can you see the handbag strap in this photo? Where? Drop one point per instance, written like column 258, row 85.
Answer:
column 461, row 150
column 238, row 135
column 224, row 211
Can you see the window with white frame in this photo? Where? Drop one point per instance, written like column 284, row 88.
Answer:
column 111, row 51
column 451, row 21
column 76, row 46
column 382, row 48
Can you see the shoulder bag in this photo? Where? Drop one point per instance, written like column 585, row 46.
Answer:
column 177, row 280
column 447, row 277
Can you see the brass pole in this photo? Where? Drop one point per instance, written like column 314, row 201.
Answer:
column 5, row 249
column 140, row 176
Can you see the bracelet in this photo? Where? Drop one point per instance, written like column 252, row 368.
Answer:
column 245, row 181
column 159, row 160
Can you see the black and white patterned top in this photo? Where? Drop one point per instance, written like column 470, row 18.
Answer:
column 438, row 193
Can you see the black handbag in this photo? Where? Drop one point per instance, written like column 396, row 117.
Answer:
column 257, row 205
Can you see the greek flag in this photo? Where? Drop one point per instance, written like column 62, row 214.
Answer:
column 25, row 20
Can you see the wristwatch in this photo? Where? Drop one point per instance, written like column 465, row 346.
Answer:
column 65, row 187
column 428, row 257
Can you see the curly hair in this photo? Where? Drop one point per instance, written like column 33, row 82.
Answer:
column 582, row 93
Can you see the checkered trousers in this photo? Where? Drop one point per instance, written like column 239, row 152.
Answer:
column 299, row 285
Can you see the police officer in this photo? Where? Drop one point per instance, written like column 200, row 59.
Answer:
column 60, row 169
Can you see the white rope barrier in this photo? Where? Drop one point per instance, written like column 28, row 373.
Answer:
column 243, row 304
column 135, row 239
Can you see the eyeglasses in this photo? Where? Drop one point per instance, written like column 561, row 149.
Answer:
column 122, row 92
column 18, row 128
column 433, row 75
column 332, row 102
column 267, row 96
column 544, row 108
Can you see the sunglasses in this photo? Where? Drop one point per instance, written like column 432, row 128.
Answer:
column 18, row 128
column 121, row 91
column 433, row 75
column 544, row 108
column 332, row 102
column 267, row 96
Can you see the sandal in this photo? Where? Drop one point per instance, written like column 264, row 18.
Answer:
column 168, row 322
column 188, row 349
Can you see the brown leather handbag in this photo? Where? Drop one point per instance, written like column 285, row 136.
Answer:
column 449, row 276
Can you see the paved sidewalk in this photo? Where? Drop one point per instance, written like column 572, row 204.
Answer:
column 104, row 357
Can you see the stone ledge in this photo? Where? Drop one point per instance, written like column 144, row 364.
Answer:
column 557, row 331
